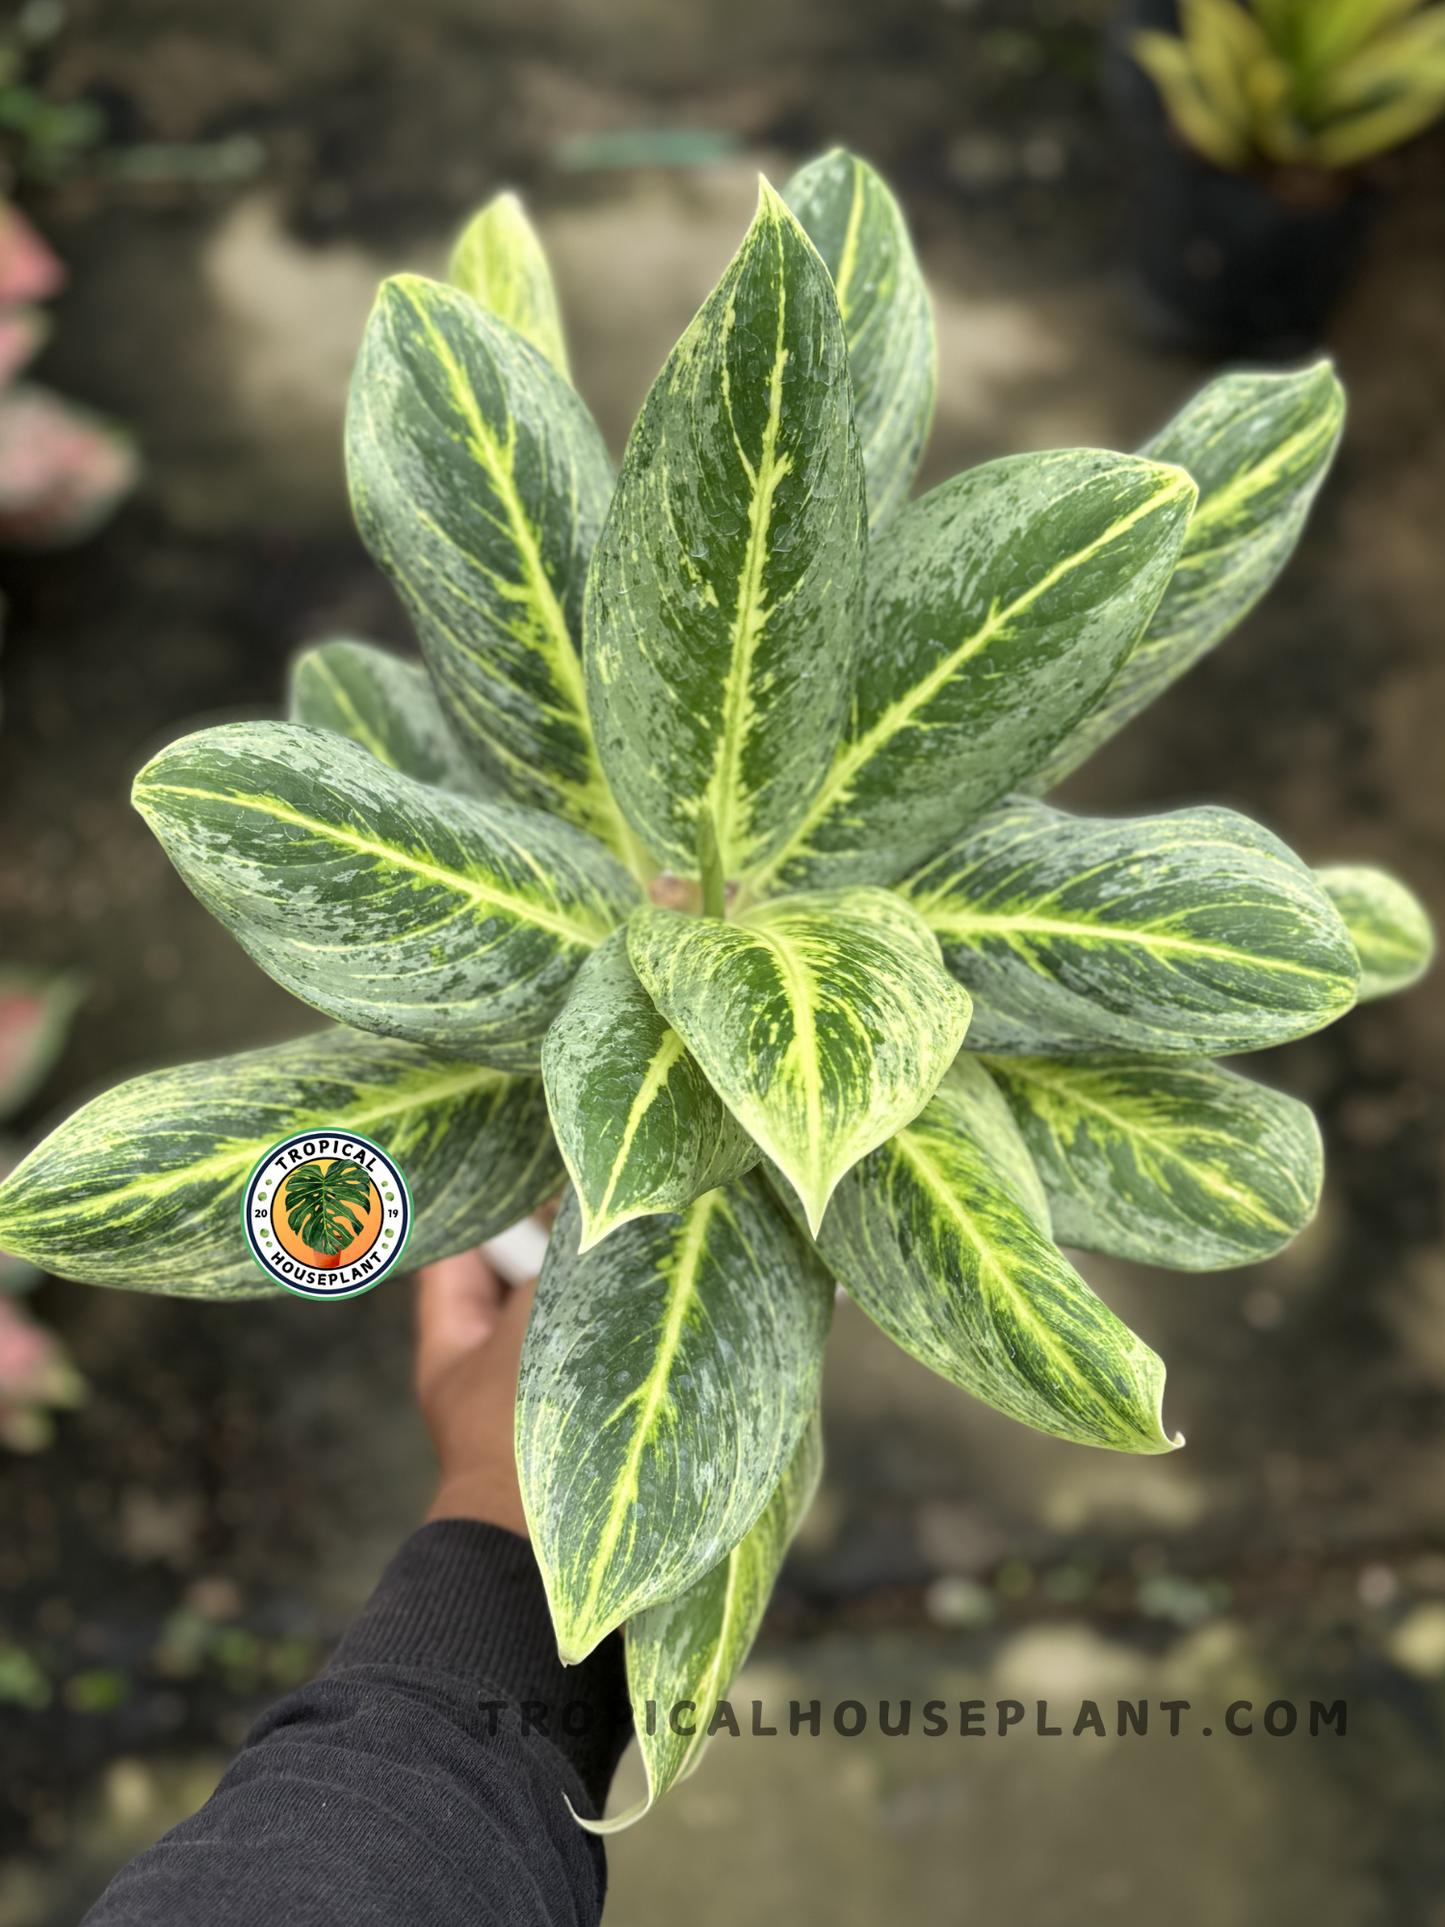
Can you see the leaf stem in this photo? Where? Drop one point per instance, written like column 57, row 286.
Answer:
column 709, row 866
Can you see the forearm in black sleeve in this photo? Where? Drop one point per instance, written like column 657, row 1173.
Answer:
column 423, row 1780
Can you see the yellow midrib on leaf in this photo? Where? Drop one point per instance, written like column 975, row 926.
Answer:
column 966, row 925
column 599, row 802
column 242, row 1159
column 652, row 1395
column 836, row 785
column 1159, row 1147
column 724, row 794
column 669, row 1050
column 520, row 908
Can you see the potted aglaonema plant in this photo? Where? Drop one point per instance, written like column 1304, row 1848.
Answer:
column 910, row 1025
column 1256, row 125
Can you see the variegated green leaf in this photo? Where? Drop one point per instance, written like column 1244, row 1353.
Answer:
column 639, row 1126
column 479, row 482
column 143, row 1186
column 691, row 1648
column 1259, row 446
column 859, row 229
column 1188, row 933
column 1172, row 1162
column 1388, row 925
column 724, row 593
column 667, row 1378
column 388, row 706
column 999, row 607
column 946, row 1246
column 823, row 1021
column 500, row 263
column 386, row 903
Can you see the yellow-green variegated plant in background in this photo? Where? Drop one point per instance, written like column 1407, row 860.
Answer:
column 1256, row 84
column 914, row 1026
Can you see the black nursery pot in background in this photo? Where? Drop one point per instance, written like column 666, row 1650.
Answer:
column 1228, row 263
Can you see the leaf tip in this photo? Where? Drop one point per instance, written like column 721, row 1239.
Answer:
column 619, row 1823
column 594, row 1230
column 774, row 210
column 573, row 1648
column 815, row 1199
column 770, row 201
column 1182, row 483
column 576, row 1637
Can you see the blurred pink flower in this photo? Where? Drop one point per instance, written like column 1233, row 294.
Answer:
column 35, row 1373
column 36, row 1007
column 22, row 330
column 62, row 469
column 28, row 269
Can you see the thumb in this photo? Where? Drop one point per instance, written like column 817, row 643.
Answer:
column 458, row 1301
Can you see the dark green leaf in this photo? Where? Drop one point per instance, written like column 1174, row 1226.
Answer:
column 1173, row 1162
column 667, row 1378
column 942, row 1237
column 692, row 1647
column 859, row 229
column 1259, row 446
column 386, row 705
column 1388, row 925
column 723, row 599
column 1188, row 933
column 999, row 606
column 320, row 1200
column 143, row 1186
column 386, row 903
column 639, row 1125
column 479, row 482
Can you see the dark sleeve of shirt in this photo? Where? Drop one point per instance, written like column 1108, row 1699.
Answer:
column 422, row 1780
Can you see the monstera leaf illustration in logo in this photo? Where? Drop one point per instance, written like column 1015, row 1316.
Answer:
column 318, row 1205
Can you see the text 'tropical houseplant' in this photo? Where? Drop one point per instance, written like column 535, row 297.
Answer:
column 914, row 1023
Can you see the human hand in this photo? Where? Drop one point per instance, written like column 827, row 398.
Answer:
column 469, row 1330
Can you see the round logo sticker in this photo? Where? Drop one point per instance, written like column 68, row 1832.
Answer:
column 327, row 1214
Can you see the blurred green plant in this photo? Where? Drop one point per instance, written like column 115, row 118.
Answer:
column 23, row 1681
column 44, row 140
column 98, row 1689
column 1299, row 83
column 1184, row 1602
column 191, row 1640
column 39, row 137
column 647, row 147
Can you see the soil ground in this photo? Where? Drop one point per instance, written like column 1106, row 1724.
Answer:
column 207, row 1522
